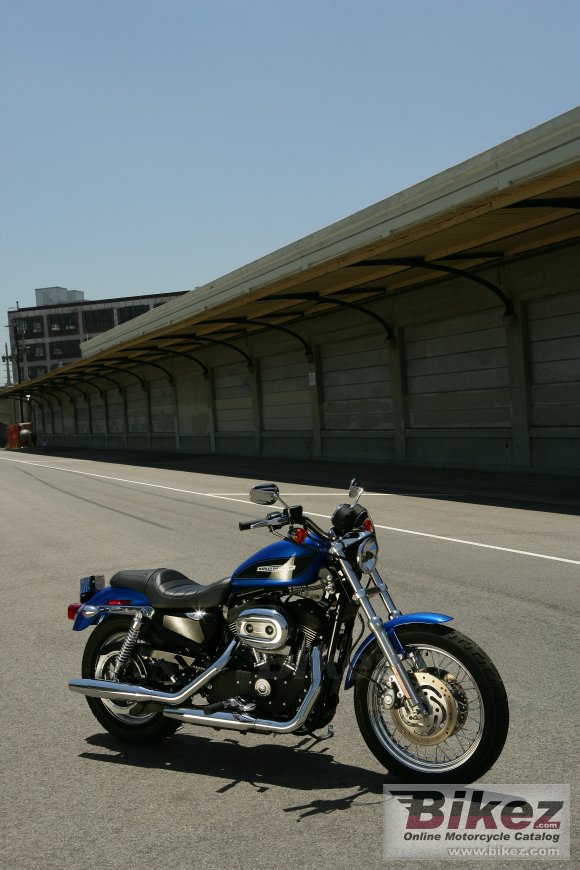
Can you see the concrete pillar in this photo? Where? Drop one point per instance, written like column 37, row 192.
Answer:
column 90, row 415
column 520, row 392
column 399, row 393
column 212, row 416
column 175, row 414
column 315, row 381
column 256, row 384
column 43, row 419
column 148, row 414
column 105, row 398
column 33, row 417
column 73, row 402
column 123, row 392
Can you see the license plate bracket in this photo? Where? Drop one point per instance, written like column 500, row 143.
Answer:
column 90, row 585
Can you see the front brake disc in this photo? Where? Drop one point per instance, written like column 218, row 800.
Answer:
column 440, row 722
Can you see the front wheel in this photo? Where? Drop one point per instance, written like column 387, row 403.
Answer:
column 133, row 722
column 467, row 726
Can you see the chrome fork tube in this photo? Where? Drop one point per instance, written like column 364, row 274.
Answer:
column 376, row 626
column 382, row 587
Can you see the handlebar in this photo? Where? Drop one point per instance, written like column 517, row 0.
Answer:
column 246, row 525
column 274, row 519
column 277, row 519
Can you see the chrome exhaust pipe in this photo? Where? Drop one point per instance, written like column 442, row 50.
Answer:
column 245, row 722
column 139, row 694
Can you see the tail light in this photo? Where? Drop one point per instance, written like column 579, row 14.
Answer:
column 72, row 610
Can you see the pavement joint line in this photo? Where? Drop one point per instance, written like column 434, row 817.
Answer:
column 321, row 516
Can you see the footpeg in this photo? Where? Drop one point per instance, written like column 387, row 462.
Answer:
column 237, row 705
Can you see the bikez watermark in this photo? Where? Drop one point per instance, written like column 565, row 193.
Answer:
column 477, row 822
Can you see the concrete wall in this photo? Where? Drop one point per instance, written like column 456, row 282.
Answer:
column 458, row 387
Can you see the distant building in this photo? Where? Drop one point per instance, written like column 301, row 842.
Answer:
column 57, row 296
column 48, row 335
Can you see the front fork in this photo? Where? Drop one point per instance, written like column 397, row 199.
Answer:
column 375, row 623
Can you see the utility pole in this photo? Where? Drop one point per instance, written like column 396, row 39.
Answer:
column 14, row 357
column 6, row 358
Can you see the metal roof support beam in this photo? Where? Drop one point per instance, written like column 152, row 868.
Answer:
column 57, row 386
column 97, row 388
column 259, row 322
column 572, row 202
column 136, row 361
column 474, row 255
column 80, row 389
column 421, row 263
column 72, row 400
column 323, row 300
column 106, row 378
column 357, row 307
column 178, row 353
column 48, row 393
column 76, row 386
column 202, row 338
column 119, row 368
column 49, row 404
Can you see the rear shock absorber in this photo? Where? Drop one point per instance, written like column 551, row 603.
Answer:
column 128, row 645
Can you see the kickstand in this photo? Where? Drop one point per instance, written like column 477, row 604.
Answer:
column 324, row 736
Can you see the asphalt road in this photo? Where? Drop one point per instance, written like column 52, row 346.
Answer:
column 74, row 797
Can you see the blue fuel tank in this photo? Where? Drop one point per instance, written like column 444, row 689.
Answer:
column 281, row 565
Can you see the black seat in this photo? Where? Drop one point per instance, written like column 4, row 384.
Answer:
column 168, row 589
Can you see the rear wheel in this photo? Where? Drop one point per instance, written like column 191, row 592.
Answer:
column 134, row 722
column 468, row 722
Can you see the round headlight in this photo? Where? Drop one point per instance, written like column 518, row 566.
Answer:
column 366, row 556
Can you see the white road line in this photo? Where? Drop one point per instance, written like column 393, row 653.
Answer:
column 478, row 544
column 288, row 494
column 322, row 516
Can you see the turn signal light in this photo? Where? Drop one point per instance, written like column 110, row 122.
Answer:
column 368, row 525
column 72, row 610
column 299, row 535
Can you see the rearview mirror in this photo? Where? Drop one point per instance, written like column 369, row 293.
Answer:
column 355, row 491
column 264, row 493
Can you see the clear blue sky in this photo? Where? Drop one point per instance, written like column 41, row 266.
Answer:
column 152, row 145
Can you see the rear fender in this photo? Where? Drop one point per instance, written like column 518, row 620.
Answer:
column 421, row 618
column 108, row 595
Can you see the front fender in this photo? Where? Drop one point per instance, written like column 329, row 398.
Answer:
column 425, row 618
column 108, row 595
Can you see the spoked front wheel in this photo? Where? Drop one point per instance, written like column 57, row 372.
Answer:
column 467, row 725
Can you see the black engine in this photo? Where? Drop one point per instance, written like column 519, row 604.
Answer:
column 271, row 666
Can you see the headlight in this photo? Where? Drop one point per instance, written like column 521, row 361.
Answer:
column 367, row 553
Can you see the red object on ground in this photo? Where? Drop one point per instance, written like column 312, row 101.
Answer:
column 13, row 436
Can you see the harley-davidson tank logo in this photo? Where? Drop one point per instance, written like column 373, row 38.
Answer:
column 269, row 568
column 285, row 570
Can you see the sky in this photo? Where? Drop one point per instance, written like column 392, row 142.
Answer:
column 154, row 145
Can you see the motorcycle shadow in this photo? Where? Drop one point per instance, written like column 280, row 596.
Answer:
column 306, row 766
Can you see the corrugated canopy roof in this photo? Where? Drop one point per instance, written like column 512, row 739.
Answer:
column 518, row 197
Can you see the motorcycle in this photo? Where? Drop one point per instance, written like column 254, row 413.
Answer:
column 266, row 651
